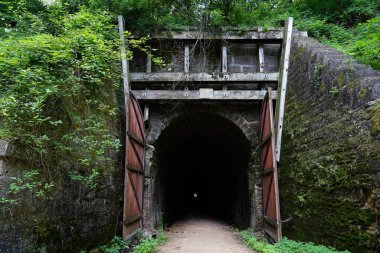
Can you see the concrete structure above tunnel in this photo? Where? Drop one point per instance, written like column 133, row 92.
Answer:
column 230, row 65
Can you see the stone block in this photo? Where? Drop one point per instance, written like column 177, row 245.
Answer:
column 235, row 68
column 250, row 68
column 245, row 60
column 5, row 148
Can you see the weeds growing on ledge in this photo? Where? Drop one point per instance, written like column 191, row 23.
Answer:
column 285, row 246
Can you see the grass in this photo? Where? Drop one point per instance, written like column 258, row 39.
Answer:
column 149, row 244
column 145, row 244
column 285, row 246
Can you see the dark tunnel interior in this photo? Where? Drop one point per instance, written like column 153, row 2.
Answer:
column 202, row 162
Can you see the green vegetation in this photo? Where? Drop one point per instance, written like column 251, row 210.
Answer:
column 57, row 95
column 60, row 63
column 116, row 245
column 60, row 77
column 336, row 23
column 367, row 47
column 375, row 118
column 284, row 246
column 144, row 244
column 149, row 244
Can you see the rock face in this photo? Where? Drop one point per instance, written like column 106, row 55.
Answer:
column 69, row 219
column 330, row 169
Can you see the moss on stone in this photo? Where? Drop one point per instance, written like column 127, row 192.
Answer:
column 353, row 85
column 324, row 167
column 341, row 79
column 363, row 93
column 299, row 53
column 322, row 87
column 375, row 119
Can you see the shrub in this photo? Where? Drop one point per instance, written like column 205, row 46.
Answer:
column 285, row 246
column 367, row 46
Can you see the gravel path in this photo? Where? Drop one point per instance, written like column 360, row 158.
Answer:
column 198, row 235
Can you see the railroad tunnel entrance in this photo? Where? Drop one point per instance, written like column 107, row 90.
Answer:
column 202, row 170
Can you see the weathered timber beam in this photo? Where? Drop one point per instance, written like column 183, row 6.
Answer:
column 224, row 57
column 250, row 35
column 261, row 57
column 187, row 59
column 202, row 94
column 204, row 77
column 282, row 84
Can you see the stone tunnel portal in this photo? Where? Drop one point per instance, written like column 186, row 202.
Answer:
column 202, row 162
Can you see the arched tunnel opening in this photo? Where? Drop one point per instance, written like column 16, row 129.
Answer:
column 202, row 170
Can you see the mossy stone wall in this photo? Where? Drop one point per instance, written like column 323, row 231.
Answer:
column 330, row 168
column 71, row 217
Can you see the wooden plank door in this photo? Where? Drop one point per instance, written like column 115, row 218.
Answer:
column 271, row 203
column 134, row 167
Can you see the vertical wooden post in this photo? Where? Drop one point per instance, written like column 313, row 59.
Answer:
column 282, row 84
column 146, row 114
column 261, row 57
column 148, row 65
column 187, row 59
column 146, row 106
column 125, row 69
column 123, row 52
column 224, row 57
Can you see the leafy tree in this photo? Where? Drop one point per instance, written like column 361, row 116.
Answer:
column 367, row 47
column 345, row 12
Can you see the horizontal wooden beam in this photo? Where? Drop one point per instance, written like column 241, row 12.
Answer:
column 201, row 94
column 204, row 77
column 212, row 85
column 249, row 35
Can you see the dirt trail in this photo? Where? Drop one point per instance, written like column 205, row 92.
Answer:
column 200, row 235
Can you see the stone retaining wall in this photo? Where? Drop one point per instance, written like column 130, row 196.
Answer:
column 330, row 169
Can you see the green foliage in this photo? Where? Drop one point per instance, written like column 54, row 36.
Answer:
column 57, row 97
column 332, row 22
column 116, row 245
column 88, row 181
column 149, row 244
column 8, row 201
column 367, row 46
column 375, row 118
column 334, row 90
column 287, row 245
column 325, row 31
column 284, row 246
column 59, row 73
column 144, row 244
column 29, row 181
column 345, row 12
column 254, row 244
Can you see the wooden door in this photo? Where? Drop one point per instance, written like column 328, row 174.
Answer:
column 134, row 167
column 271, row 203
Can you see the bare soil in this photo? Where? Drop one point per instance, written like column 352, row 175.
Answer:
column 202, row 235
